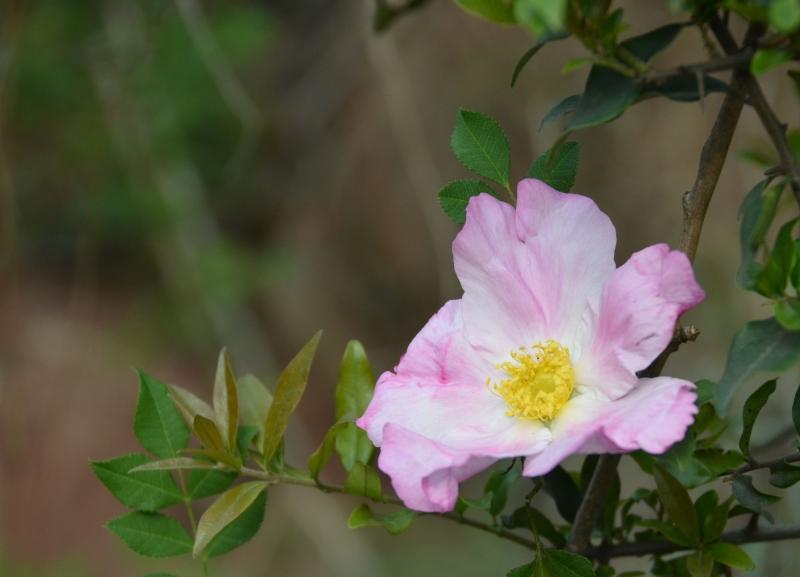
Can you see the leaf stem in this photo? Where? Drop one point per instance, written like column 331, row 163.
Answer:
column 188, row 502
column 450, row 515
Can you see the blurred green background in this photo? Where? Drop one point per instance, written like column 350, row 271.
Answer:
column 181, row 175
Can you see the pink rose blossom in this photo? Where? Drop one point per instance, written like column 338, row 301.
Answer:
column 539, row 358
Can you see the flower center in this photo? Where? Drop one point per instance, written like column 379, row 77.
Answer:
column 540, row 381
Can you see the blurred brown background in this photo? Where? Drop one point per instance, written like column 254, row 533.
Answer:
column 179, row 175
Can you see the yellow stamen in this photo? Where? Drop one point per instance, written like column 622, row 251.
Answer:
column 540, row 382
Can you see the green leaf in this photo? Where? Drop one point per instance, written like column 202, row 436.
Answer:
column 189, row 405
column 563, row 170
column 766, row 59
column 796, row 411
column 157, row 423
column 148, row 490
column 203, row 484
column 353, row 394
column 543, row 39
column 704, row 505
column 244, row 438
column 239, row 531
column 519, row 519
column 574, row 64
column 700, row 563
column 669, row 531
column 731, row 555
column 564, row 564
column 482, row 504
column 152, row 534
column 317, row 461
column 771, row 281
column 705, row 392
column 497, row 11
column 749, row 496
column 677, row 503
column 226, row 402
column 606, row 96
column 759, row 346
column 784, row 15
column 567, row 105
column 363, row 481
column 560, row 486
column 497, row 484
column 647, row 46
column 291, row 385
column 479, row 143
column 756, row 214
column 714, row 523
column 224, row 511
column 254, row 403
column 395, row 523
column 455, row 197
column 787, row 313
column 522, row 571
column 784, row 475
column 717, row 460
column 752, row 407
column 173, row 464
column 539, row 16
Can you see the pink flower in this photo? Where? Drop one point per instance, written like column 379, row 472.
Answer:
column 539, row 357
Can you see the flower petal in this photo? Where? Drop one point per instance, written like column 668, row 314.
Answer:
column 439, row 391
column 528, row 274
column 493, row 266
column 425, row 474
column 570, row 244
column 653, row 416
column 633, row 319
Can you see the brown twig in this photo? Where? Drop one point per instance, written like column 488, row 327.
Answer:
column 754, row 465
column 736, row 537
column 695, row 206
column 728, row 62
column 775, row 129
column 712, row 159
column 593, row 503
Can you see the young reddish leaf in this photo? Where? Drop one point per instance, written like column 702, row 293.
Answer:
column 224, row 511
column 174, row 463
column 208, row 432
column 254, row 403
column 226, row 402
column 190, row 405
column 291, row 385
